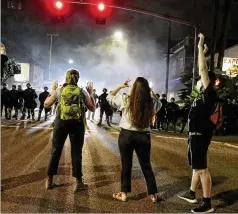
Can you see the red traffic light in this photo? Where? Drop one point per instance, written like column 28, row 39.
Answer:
column 59, row 5
column 101, row 7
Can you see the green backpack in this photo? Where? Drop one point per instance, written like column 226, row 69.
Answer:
column 72, row 103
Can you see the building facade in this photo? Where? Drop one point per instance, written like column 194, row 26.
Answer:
column 181, row 58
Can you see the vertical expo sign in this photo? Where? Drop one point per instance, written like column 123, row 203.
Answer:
column 230, row 66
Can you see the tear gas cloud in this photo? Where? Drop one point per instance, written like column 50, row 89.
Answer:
column 107, row 62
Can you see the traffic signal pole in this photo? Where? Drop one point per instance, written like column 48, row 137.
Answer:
column 158, row 15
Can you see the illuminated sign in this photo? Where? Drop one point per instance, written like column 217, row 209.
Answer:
column 230, row 65
column 25, row 73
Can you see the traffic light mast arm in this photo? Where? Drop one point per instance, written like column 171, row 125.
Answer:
column 142, row 11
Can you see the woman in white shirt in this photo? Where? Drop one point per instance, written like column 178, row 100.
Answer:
column 137, row 109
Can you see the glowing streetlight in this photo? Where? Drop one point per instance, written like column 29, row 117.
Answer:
column 118, row 35
column 71, row 61
column 151, row 84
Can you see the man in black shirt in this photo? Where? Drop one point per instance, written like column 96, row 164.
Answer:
column 29, row 102
column 13, row 102
column 20, row 98
column 172, row 114
column 104, row 107
column 42, row 98
column 184, row 115
column 162, row 113
column 200, row 134
column 4, row 99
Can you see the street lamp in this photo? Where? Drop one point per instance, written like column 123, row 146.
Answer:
column 71, row 61
column 151, row 84
column 118, row 35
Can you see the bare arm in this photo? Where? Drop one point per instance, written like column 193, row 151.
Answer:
column 116, row 90
column 90, row 102
column 52, row 97
column 154, row 95
column 202, row 65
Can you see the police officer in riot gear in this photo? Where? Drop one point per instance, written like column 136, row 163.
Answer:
column 161, row 113
column 13, row 102
column 104, row 107
column 29, row 102
column 42, row 98
column 20, row 98
column 172, row 113
column 4, row 99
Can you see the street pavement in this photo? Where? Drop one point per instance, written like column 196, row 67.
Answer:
column 25, row 151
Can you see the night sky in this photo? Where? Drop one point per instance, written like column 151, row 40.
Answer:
column 90, row 46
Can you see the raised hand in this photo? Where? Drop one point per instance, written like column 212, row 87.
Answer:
column 201, row 40
column 205, row 50
column 125, row 84
column 89, row 88
column 54, row 86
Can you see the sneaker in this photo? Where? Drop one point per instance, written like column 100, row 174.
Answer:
column 189, row 197
column 80, row 186
column 203, row 207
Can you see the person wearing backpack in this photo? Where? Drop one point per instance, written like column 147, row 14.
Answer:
column 201, row 128
column 70, row 120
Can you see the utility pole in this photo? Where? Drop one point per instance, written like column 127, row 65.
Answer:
column 167, row 60
column 50, row 54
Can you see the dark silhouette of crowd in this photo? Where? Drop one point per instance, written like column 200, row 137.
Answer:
column 172, row 117
column 21, row 101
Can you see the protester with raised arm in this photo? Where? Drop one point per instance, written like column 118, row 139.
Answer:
column 70, row 120
column 138, row 108
column 200, row 134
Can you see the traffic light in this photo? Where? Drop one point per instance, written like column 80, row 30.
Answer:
column 59, row 5
column 101, row 11
column 101, row 6
column 58, row 9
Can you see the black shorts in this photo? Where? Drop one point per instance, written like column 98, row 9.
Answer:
column 197, row 151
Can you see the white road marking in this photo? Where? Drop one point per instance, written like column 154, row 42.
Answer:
column 181, row 138
column 33, row 127
column 168, row 137
column 117, row 132
column 230, row 145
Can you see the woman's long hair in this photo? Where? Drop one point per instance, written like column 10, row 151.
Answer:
column 139, row 105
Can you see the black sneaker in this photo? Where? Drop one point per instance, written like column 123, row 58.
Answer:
column 189, row 197
column 203, row 207
column 80, row 186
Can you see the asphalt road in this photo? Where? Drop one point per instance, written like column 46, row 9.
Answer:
column 25, row 151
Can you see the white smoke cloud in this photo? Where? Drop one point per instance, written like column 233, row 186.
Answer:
column 108, row 63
